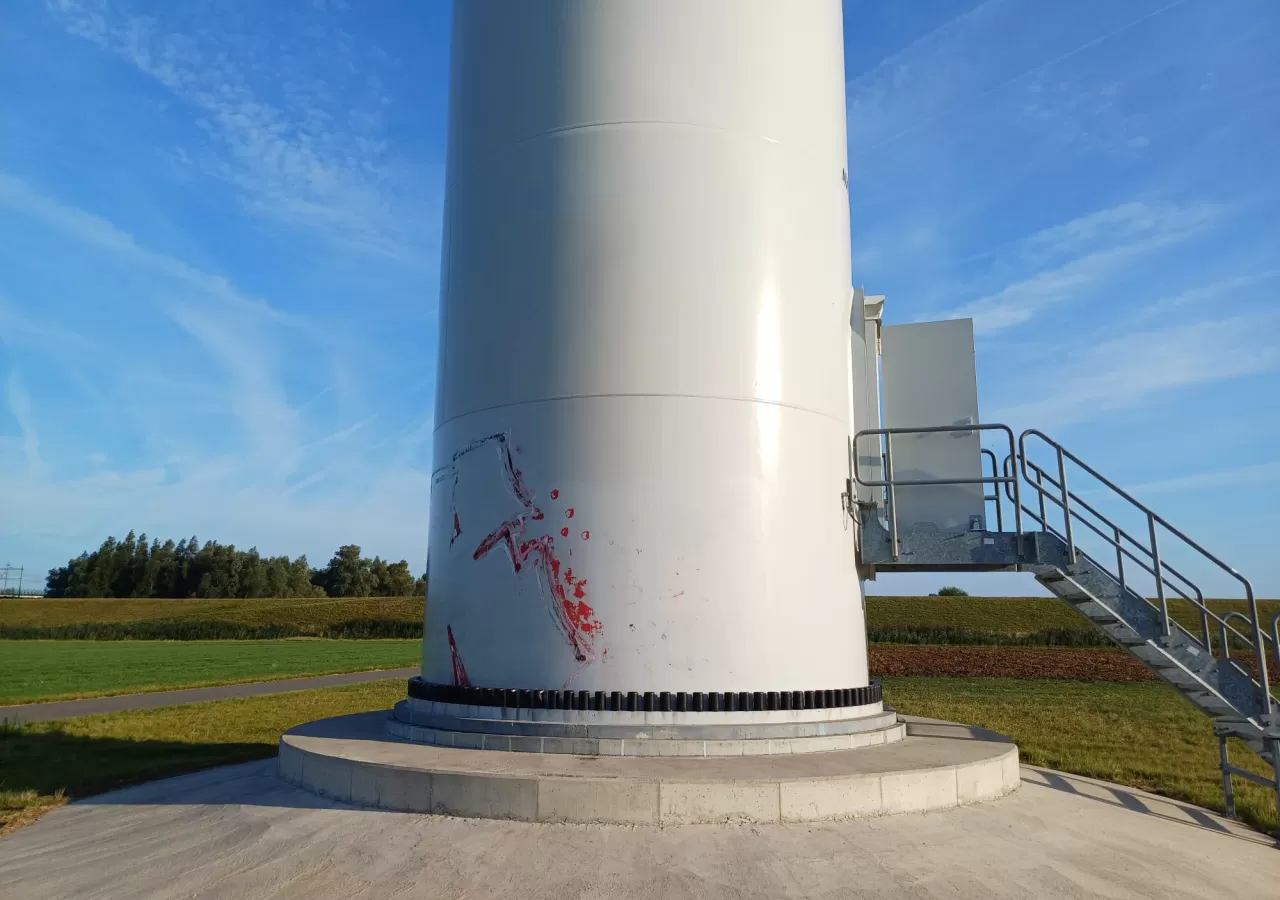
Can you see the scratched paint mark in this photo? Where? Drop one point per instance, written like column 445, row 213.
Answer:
column 460, row 678
column 568, row 513
column 586, row 535
column 501, row 442
column 564, row 532
column 574, row 617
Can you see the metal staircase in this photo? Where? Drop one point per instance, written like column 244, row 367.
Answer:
column 1218, row 684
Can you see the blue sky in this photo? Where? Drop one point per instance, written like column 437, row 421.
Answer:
column 220, row 227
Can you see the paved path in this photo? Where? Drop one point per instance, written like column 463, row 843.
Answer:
column 66, row 709
column 239, row 832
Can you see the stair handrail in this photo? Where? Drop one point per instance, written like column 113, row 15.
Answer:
column 1122, row 551
column 1064, row 498
column 891, row 484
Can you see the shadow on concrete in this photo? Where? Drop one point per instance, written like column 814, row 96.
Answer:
column 247, row 784
column 937, row 728
column 1144, row 804
column 49, row 760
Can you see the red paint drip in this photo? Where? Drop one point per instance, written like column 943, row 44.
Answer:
column 575, row 618
column 460, row 678
column 568, row 513
column 586, row 535
column 564, row 532
column 555, row 494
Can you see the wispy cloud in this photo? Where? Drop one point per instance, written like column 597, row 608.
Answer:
column 269, row 423
column 103, row 235
column 1259, row 475
column 1069, row 260
column 1124, row 372
column 313, row 154
column 20, row 406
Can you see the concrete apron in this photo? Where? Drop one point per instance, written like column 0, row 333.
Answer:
column 936, row 766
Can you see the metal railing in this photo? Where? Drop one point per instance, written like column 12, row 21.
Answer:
column 1074, row 508
column 891, row 484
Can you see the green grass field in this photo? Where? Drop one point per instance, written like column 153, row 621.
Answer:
column 1142, row 735
column 46, row 764
column 56, row 670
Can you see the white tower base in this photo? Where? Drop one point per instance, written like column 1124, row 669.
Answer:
column 935, row 766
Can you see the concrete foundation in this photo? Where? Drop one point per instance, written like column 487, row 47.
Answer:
column 239, row 832
column 935, row 766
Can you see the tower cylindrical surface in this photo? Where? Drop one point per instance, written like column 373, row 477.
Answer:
column 643, row 403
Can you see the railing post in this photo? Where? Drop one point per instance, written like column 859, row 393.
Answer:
column 1275, row 768
column 1115, row 530
column 1159, row 572
column 1275, row 638
column 1226, row 641
column 1066, row 507
column 1204, row 620
column 892, row 496
column 1044, row 522
column 1228, row 789
column 1260, row 650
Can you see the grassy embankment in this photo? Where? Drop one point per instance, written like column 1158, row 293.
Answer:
column 1029, row 621
column 1142, row 735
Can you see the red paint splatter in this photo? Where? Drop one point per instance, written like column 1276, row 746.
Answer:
column 575, row 618
column 506, row 533
column 457, row 528
column 537, row 514
column 564, row 532
column 460, row 678
column 586, row 535
column 554, row 494
column 568, row 513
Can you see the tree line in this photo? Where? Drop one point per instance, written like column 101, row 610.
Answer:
column 135, row 567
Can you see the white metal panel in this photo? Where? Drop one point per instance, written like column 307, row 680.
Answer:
column 864, row 328
column 930, row 378
column 645, row 302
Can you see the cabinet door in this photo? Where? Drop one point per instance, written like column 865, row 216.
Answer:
column 929, row 377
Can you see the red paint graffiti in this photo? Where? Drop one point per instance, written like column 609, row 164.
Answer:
column 460, row 678
column 575, row 618
column 568, row 513
column 586, row 535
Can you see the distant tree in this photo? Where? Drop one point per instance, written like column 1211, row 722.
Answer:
column 137, row 567
column 348, row 574
column 397, row 580
column 951, row 591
